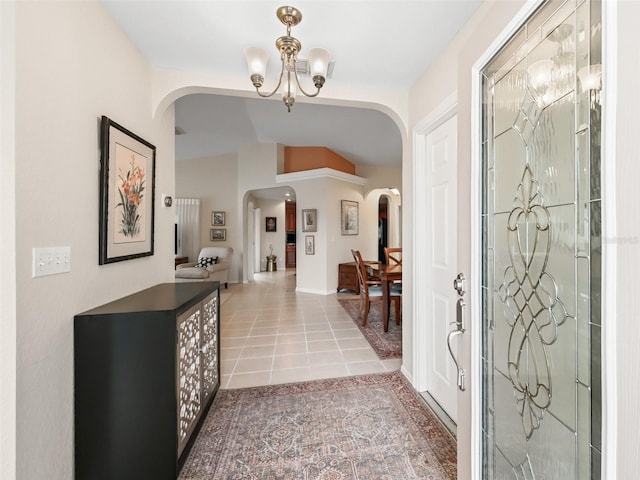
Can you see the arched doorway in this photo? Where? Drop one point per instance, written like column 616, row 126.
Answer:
column 268, row 230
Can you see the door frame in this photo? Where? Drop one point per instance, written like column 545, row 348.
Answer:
column 443, row 112
column 608, row 169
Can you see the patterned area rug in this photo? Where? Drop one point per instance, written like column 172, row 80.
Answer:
column 370, row 427
column 386, row 344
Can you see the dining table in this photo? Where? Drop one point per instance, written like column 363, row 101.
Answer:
column 387, row 273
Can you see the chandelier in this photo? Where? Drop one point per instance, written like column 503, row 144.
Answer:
column 289, row 47
column 551, row 79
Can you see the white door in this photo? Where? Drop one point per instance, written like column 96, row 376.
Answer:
column 250, row 241
column 441, row 261
column 256, row 240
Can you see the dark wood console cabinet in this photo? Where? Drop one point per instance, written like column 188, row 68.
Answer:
column 146, row 367
column 348, row 277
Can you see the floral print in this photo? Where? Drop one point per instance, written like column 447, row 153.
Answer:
column 130, row 189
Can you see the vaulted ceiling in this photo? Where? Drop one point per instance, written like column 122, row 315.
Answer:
column 377, row 44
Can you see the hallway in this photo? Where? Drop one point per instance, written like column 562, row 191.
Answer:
column 271, row 335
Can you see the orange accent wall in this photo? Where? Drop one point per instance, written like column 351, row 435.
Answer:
column 298, row 159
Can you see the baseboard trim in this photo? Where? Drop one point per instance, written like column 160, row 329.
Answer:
column 315, row 292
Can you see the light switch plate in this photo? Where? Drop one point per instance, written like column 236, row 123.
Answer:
column 51, row 260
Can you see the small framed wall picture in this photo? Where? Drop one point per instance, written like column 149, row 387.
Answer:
column 218, row 234
column 270, row 224
column 309, row 245
column 217, row 219
column 310, row 220
column 349, row 216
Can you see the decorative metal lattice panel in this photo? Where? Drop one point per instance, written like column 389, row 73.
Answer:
column 210, row 357
column 189, row 386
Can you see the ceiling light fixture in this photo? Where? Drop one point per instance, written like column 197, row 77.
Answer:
column 289, row 47
column 552, row 78
column 590, row 77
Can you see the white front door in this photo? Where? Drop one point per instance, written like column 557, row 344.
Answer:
column 256, row 240
column 440, row 210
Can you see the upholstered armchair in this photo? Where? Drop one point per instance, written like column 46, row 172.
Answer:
column 213, row 265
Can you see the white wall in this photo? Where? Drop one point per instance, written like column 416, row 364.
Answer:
column 339, row 246
column 380, row 177
column 7, row 243
column 72, row 66
column 214, row 181
column 258, row 166
column 311, row 270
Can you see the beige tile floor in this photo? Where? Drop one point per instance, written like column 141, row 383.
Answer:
column 270, row 334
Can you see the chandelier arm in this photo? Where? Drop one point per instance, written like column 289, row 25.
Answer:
column 267, row 95
column 300, row 86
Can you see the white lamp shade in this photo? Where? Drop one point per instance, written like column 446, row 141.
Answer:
column 590, row 77
column 540, row 75
column 318, row 62
column 288, row 89
column 257, row 59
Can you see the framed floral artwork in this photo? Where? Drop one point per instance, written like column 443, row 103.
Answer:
column 127, row 193
column 349, row 217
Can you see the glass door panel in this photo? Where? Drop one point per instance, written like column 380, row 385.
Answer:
column 541, row 248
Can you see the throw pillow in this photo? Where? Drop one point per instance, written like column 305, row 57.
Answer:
column 205, row 262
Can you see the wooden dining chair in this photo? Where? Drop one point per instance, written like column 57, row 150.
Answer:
column 393, row 256
column 371, row 290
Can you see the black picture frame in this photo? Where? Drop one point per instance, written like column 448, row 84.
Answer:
column 127, row 194
column 270, row 224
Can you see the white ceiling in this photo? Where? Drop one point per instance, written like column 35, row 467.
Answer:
column 377, row 44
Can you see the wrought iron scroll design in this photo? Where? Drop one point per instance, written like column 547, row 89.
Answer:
column 531, row 304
